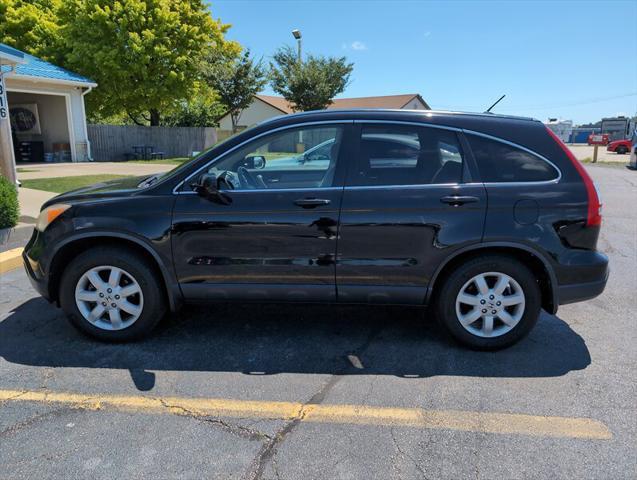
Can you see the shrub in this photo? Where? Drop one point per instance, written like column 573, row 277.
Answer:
column 9, row 207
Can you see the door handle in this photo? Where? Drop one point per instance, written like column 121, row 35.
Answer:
column 457, row 200
column 311, row 202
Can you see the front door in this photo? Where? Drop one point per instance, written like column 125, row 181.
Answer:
column 273, row 236
column 408, row 203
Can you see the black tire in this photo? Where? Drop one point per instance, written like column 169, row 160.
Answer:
column 445, row 306
column 621, row 150
column 154, row 302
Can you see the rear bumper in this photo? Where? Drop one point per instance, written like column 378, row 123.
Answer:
column 580, row 292
column 592, row 272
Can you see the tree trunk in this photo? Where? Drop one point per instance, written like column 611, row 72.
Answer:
column 234, row 117
column 154, row 117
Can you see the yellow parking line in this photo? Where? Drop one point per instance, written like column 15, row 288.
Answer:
column 467, row 421
column 10, row 260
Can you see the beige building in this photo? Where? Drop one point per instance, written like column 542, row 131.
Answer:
column 266, row 106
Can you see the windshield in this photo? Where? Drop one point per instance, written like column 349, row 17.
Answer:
column 186, row 164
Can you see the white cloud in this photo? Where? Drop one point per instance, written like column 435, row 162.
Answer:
column 358, row 45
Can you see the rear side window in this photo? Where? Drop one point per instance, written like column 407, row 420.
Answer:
column 499, row 162
column 406, row 155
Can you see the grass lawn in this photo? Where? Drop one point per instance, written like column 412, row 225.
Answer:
column 165, row 161
column 64, row 184
column 26, row 170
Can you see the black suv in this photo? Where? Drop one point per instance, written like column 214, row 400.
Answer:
column 484, row 218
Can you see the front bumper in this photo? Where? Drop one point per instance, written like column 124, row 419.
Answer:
column 33, row 256
column 39, row 282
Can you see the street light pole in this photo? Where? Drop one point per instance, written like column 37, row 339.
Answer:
column 297, row 35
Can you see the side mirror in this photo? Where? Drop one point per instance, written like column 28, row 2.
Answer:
column 254, row 162
column 208, row 188
column 206, row 185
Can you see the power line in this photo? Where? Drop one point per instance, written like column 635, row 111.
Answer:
column 543, row 106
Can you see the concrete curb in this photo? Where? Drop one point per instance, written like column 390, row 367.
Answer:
column 10, row 260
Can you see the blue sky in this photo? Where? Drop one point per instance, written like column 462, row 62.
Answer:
column 574, row 60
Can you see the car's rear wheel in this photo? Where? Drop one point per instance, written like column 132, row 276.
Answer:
column 111, row 294
column 621, row 150
column 489, row 302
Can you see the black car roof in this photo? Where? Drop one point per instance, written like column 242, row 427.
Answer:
column 394, row 114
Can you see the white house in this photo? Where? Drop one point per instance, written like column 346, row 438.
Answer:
column 46, row 108
column 267, row 106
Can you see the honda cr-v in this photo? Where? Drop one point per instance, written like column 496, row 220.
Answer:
column 486, row 219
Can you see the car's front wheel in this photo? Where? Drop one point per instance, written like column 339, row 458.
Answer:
column 111, row 294
column 489, row 302
column 621, row 150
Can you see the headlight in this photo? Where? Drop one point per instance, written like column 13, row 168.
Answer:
column 49, row 214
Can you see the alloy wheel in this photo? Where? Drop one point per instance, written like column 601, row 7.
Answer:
column 109, row 298
column 491, row 304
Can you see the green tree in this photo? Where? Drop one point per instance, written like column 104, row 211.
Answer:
column 202, row 110
column 146, row 55
column 31, row 26
column 309, row 84
column 236, row 83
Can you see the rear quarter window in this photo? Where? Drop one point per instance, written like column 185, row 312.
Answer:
column 499, row 162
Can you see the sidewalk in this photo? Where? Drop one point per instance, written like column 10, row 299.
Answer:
column 30, row 202
column 18, row 238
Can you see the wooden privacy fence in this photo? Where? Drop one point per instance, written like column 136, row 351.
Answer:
column 113, row 142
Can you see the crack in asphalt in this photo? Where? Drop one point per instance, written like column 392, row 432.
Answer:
column 2, row 402
column 269, row 449
column 235, row 429
column 16, row 427
column 404, row 455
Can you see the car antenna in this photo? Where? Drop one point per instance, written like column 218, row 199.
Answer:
column 497, row 101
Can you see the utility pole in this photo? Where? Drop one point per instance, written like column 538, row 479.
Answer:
column 297, row 35
column 300, row 146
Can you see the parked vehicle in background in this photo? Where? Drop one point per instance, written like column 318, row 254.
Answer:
column 620, row 146
column 598, row 139
column 395, row 211
column 617, row 128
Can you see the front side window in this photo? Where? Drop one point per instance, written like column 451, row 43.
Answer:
column 303, row 157
column 406, row 155
column 499, row 162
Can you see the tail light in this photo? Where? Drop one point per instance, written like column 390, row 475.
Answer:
column 594, row 217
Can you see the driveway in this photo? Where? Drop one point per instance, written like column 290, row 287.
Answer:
column 309, row 392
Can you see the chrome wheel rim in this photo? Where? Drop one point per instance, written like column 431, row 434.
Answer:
column 109, row 298
column 491, row 304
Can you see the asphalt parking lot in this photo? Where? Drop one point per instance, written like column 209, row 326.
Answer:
column 298, row 392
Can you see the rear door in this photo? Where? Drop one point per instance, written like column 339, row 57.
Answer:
column 408, row 203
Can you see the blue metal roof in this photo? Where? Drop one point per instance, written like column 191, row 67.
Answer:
column 11, row 51
column 36, row 67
